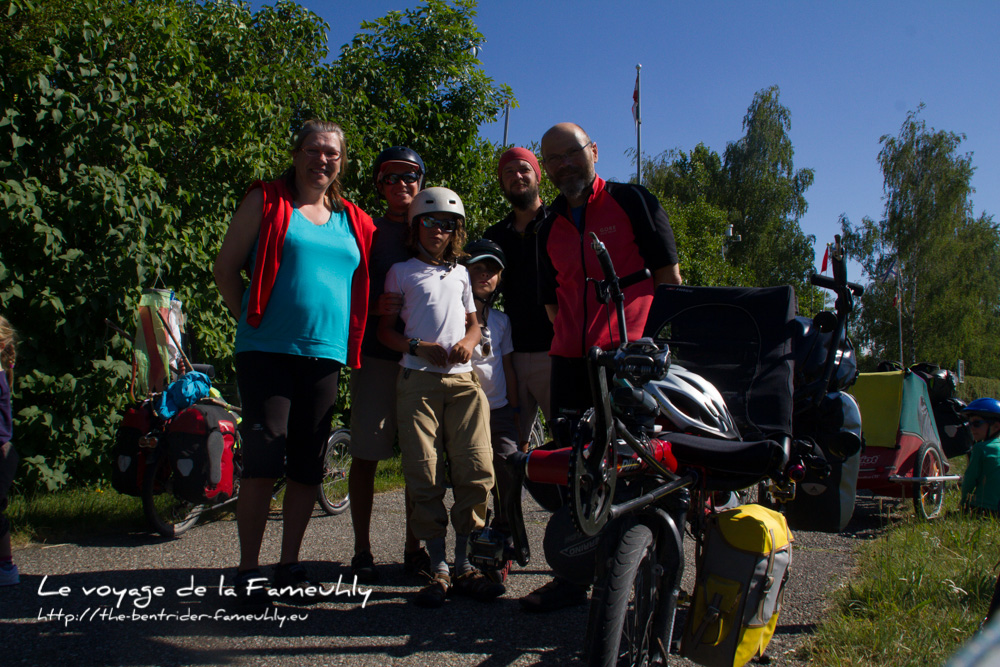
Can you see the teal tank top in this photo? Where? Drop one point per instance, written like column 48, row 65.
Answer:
column 309, row 311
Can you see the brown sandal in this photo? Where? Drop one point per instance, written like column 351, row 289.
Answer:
column 433, row 594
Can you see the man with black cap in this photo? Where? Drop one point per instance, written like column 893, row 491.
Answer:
column 398, row 175
column 530, row 326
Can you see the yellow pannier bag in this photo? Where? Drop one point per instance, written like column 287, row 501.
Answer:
column 739, row 584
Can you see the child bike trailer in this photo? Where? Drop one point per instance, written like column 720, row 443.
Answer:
column 903, row 457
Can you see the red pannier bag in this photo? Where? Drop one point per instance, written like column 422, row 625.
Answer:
column 128, row 456
column 200, row 443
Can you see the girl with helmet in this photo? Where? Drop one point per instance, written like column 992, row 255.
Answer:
column 441, row 408
column 981, row 483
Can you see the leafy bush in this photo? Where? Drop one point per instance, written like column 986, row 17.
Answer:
column 133, row 129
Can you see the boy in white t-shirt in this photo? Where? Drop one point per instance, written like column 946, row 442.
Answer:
column 493, row 361
column 440, row 406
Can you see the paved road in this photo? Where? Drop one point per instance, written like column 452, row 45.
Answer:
column 385, row 630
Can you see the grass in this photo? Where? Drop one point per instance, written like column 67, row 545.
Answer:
column 66, row 515
column 78, row 513
column 918, row 593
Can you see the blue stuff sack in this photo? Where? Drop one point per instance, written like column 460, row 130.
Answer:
column 183, row 393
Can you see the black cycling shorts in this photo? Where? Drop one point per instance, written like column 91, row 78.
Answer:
column 288, row 404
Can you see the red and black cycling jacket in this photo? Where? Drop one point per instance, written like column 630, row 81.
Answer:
column 637, row 233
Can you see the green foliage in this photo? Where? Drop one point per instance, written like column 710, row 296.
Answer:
column 917, row 594
column 754, row 188
column 948, row 260
column 412, row 78
column 689, row 187
column 767, row 196
column 131, row 130
column 978, row 387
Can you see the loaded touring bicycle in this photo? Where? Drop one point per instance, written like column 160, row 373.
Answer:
column 178, row 445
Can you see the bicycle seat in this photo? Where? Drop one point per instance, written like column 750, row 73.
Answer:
column 207, row 369
column 727, row 465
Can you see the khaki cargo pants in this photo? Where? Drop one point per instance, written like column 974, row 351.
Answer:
column 441, row 416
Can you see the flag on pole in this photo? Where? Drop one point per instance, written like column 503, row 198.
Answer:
column 826, row 257
column 635, row 100
column 890, row 274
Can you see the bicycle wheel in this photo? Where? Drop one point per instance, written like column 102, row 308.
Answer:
column 928, row 498
column 537, row 436
column 167, row 515
column 621, row 614
column 333, row 494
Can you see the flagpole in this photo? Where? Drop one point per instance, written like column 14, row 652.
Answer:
column 899, row 310
column 506, row 122
column 638, row 127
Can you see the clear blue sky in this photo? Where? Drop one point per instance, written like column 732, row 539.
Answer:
column 848, row 72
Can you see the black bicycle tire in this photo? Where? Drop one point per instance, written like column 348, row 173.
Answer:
column 632, row 569
column 164, row 525
column 336, row 465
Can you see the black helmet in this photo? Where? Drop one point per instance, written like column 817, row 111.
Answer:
column 484, row 249
column 398, row 154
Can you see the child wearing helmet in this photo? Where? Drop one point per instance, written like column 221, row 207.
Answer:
column 442, row 411
column 981, row 482
column 493, row 361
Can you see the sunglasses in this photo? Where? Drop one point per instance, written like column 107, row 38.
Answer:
column 408, row 178
column 446, row 226
column 976, row 423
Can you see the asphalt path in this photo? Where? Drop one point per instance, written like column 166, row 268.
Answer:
column 137, row 599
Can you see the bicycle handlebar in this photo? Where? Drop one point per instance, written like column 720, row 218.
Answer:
column 831, row 284
column 607, row 266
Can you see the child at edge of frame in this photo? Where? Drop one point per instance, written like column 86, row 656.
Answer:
column 443, row 412
column 9, row 575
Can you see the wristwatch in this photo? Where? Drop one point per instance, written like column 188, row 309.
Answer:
column 414, row 342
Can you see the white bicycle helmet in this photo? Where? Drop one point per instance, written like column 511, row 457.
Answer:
column 693, row 404
column 436, row 200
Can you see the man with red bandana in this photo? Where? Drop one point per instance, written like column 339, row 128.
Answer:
column 636, row 231
column 531, row 329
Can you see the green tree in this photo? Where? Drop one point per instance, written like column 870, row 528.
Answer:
column 413, row 78
column 752, row 192
column 947, row 260
column 691, row 186
column 765, row 196
column 131, row 129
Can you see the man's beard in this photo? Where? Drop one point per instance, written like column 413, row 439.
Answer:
column 524, row 199
column 574, row 184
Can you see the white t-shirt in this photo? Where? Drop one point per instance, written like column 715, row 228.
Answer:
column 490, row 369
column 436, row 300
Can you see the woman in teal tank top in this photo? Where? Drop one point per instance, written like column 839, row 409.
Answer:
column 300, row 319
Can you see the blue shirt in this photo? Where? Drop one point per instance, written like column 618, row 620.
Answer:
column 309, row 311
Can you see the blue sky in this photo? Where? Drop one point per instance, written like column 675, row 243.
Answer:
column 848, row 72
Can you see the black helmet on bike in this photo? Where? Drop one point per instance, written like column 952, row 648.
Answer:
column 398, row 154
